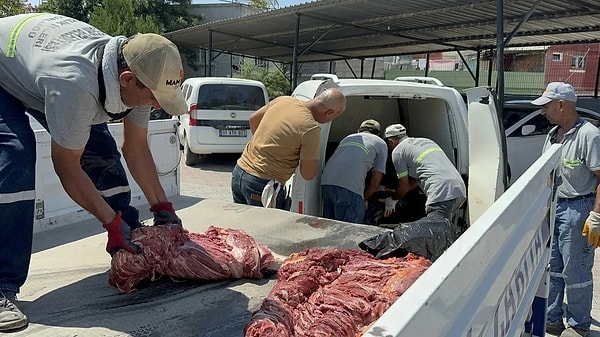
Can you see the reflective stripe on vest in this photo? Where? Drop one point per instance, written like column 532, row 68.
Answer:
column 9, row 198
column 14, row 34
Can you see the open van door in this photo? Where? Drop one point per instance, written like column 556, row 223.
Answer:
column 488, row 177
column 304, row 197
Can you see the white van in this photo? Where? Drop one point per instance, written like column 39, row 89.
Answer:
column 427, row 110
column 219, row 108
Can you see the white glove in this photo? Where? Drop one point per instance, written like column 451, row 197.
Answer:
column 390, row 206
column 591, row 229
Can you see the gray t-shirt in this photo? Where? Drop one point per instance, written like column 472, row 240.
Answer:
column 580, row 157
column 354, row 157
column 424, row 160
column 49, row 63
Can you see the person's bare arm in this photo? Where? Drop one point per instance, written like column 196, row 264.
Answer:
column 256, row 117
column 597, row 202
column 374, row 183
column 77, row 184
column 309, row 169
column 402, row 189
column 140, row 162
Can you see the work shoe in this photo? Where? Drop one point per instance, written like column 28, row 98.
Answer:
column 555, row 328
column 572, row 332
column 11, row 318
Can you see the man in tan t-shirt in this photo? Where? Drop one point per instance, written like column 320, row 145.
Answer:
column 286, row 134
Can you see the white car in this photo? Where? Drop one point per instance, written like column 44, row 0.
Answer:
column 218, row 111
column 526, row 130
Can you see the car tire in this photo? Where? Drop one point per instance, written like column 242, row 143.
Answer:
column 191, row 158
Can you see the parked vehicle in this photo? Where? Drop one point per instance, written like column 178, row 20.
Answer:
column 426, row 110
column 526, row 130
column 217, row 121
column 54, row 208
column 485, row 284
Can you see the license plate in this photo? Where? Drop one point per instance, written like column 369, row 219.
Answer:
column 233, row 133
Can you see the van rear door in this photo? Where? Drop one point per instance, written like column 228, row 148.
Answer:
column 487, row 152
column 305, row 196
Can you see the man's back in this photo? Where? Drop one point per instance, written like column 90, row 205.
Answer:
column 424, row 160
column 354, row 157
column 286, row 133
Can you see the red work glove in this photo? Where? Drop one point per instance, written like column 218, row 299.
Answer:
column 164, row 213
column 119, row 237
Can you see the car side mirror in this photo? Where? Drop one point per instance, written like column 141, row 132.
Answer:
column 527, row 129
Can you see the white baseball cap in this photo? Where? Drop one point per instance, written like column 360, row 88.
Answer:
column 556, row 90
column 156, row 62
column 394, row 130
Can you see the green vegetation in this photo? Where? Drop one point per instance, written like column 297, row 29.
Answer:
column 276, row 82
column 116, row 17
column 515, row 83
column 11, row 7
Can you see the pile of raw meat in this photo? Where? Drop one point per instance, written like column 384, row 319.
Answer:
column 170, row 250
column 332, row 292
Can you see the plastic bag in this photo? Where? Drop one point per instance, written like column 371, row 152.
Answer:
column 428, row 237
column 269, row 194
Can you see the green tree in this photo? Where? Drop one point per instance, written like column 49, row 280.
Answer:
column 77, row 9
column 116, row 17
column 260, row 4
column 276, row 82
column 172, row 15
column 11, row 7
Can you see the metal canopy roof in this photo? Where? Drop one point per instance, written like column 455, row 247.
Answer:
column 344, row 29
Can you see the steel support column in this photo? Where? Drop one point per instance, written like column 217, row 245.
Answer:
column 500, row 53
column 295, row 56
column 210, row 52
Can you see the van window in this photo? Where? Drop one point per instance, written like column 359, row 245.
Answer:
column 230, row 97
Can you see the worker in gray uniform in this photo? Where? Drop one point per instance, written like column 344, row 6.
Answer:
column 424, row 161
column 73, row 78
column 420, row 163
column 343, row 179
column 577, row 216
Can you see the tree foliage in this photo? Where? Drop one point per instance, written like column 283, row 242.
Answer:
column 260, row 4
column 77, row 9
column 11, row 7
column 116, row 17
column 276, row 82
column 168, row 15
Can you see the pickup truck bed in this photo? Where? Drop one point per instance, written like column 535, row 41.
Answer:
column 67, row 293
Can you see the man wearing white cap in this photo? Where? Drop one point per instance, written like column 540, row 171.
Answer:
column 73, row 79
column 576, row 189
column 343, row 179
column 420, row 162
column 426, row 163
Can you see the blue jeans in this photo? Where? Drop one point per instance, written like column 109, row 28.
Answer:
column 247, row 189
column 342, row 204
column 100, row 160
column 571, row 265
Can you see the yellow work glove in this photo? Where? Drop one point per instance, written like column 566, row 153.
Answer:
column 591, row 229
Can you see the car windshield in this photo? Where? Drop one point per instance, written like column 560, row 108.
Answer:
column 230, row 97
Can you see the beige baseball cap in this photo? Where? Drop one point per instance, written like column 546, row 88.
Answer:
column 156, row 62
column 370, row 124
